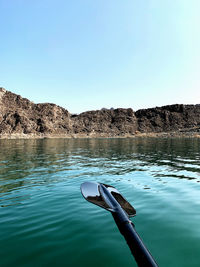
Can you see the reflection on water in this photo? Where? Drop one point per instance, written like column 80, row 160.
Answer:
column 31, row 162
column 43, row 212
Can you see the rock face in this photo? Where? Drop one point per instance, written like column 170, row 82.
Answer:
column 22, row 117
column 110, row 122
column 168, row 118
column 19, row 115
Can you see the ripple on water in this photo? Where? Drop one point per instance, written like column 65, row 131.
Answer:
column 42, row 209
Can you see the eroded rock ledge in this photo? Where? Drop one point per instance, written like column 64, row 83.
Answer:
column 21, row 118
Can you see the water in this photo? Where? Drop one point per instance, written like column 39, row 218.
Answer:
column 44, row 220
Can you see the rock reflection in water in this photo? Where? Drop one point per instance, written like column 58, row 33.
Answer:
column 31, row 162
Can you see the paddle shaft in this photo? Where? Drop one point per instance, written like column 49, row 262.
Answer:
column 137, row 247
column 126, row 228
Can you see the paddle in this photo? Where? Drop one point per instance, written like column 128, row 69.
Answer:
column 109, row 198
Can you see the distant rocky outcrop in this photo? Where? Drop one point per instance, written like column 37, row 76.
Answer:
column 21, row 118
column 109, row 122
column 169, row 118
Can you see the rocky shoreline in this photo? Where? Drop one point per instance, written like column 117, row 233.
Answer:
column 21, row 118
column 84, row 136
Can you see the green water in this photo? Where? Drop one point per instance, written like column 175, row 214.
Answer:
column 44, row 220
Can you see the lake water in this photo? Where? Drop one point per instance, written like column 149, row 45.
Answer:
column 45, row 221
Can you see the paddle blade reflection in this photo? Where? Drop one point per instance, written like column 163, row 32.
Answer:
column 90, row 191
column 121, row 200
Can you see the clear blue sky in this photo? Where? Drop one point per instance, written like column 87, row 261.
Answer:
column 89, row 54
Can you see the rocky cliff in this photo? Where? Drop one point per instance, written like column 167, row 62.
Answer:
column 20, row 117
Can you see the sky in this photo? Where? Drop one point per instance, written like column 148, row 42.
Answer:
column 92, row 54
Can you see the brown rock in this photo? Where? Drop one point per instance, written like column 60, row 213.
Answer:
column 168, row 118
column 21, row 117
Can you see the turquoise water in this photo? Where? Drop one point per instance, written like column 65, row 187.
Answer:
column 46, row 222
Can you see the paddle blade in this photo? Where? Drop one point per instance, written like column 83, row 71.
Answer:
column 92, row 192
column 121, row 200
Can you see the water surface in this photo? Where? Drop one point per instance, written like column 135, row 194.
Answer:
column 46, row 222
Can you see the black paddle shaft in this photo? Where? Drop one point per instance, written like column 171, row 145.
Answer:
column 110, row 199
column 137, row 247
column 126, row 228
